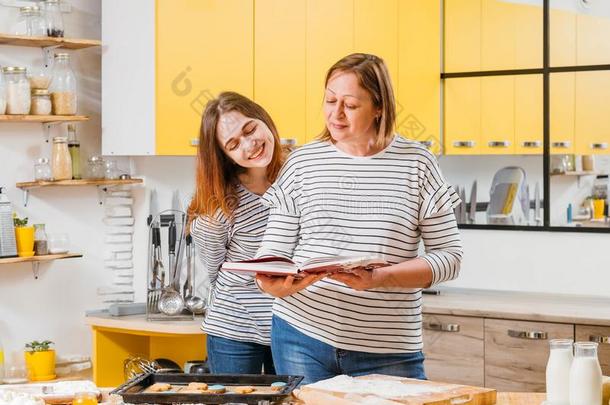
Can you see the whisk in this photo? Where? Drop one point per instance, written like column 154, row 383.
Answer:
column 133, row 366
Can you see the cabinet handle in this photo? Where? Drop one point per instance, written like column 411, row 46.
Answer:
column 604, row 340
column 531, row 144
column 442, row 327
column 561, row 144
column 427, row 144
column 498, row 144
column 194, row 142
column 602, row 145
column 464, row 144
column 522, row 334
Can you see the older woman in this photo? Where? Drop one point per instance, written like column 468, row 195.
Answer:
column 360, row 189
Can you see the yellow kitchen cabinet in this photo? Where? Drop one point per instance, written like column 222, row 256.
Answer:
column 417, row 85
column 497, row 115
column 528, row 115
column 203, row 47
column 592, row 122
column 462, row 121
column 497, row 35
column 562, row 37
column 593, row 31
column 527, row 23
column 561, row 116
column 279, row 64
column 462, row 35
column 330, row 36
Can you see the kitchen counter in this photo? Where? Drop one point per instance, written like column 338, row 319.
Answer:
column 511, row 398
column 139, row 323
column 520, row 306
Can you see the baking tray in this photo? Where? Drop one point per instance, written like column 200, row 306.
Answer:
column 132, row 391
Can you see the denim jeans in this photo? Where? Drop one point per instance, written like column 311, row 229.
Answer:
column 227, row 356
column 295, row 353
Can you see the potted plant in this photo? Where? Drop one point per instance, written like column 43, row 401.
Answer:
column 24, row 236
column 40, row 360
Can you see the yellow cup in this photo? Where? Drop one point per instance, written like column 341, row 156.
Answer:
column 24, row 236
column 598, row 208
column 85, row 398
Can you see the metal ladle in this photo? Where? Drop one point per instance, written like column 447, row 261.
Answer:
column 194, row 304
column 171, row 302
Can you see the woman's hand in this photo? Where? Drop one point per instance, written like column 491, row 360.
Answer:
column 359, row 279
column 280, row 286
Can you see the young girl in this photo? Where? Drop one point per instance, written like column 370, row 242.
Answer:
column 239, row 156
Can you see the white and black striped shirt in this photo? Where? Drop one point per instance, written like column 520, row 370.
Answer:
column 238, row 310
column 326, row 203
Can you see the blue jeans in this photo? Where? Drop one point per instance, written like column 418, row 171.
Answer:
column 295, row 353
column 227, row 356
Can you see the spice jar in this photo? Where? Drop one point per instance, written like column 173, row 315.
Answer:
column 63, row 86
column 111, row 171
column 61, row 163
column 96, row 167
column 17, row 90
column 41, row 246
column 41, row 102
column 30, row 22
column 42, row 170
column 39, row 78
column 54, row 19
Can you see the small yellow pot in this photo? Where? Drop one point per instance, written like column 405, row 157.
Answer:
column 40, row 365
column 24, row 236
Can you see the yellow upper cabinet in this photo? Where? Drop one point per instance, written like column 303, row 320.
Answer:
column 203, row 47
column 528, row 115
column 527, row 23
column 593, row 33
column 561, row 116
column 592, row 107
column 497, row 115
column 562, row 37
column 417, row 85
column 462, row 116
column 279, row 64
column 330, row 36
column 462, row 39
column 497, row 35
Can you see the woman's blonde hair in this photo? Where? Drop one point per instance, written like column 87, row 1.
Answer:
column 217, row 174
column 374, row 77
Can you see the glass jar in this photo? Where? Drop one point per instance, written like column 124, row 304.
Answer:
column 54, row 19
column 30, row 22
column 2, row 95
column 585, row 375
column 42, row 170
column 558, row 371
column 61, row 162
column 17, row 90
column 59, row 243
column 41, row 102
column 41, row 246
column 111, row 170
column 74, row 148
column 96, row 168
column 63, row 86
column 39, row 78
column 85, row 398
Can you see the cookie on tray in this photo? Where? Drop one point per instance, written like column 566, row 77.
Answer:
column 244, row 390
column 278, row 386
column 197, row 386
column 216, row 389
column 159, row 387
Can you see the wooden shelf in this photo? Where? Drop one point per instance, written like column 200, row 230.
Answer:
column 575, row 174
column 45, row 258
column 45, row 119
column 43, row 42
column 71, row 183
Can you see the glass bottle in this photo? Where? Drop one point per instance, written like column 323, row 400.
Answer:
column 96, row 167
column 61, row 162
column 42, row 170
column 54, row 19
column 111, row 170
column 558, row 372
column 74, row 148
column 18, row 97
column 63, row 86
column 41, row 246
column 585, row 375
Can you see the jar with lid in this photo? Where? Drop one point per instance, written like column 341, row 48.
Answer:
column 96, row 167
column 54, row 19
column 111, row 171
column 41, row 246
column 30, row 22
column 63, row 86
column 41, row 102
column 40, row 78
column 74, row 148
column 42, row 170
column 17, row 90
column 2, row 95
column 61, row 162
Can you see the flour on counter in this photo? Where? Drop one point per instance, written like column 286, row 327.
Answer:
column 8, row 397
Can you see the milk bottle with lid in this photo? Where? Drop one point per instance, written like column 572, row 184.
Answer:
column 558, row 372
column 585, row 375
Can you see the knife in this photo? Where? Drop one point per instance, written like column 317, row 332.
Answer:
column 463, row 213
column 153, row 208
column 537, row 218
column 473, row 202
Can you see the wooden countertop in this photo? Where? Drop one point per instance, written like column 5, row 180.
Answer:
column 512, row 398
column 520, row 306
column 139, row 323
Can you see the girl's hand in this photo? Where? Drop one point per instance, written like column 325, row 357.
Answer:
column 280, row 286
column 360, row 279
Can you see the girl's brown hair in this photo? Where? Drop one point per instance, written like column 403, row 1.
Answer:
column 217, row 175
column 374, row 77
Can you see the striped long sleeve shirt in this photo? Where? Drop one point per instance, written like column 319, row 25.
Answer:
column 328, row 203
column 238, row 310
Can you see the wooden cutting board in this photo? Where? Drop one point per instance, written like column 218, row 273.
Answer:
column 390, row 390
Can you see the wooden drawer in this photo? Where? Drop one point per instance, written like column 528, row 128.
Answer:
column 601, row 335
column 454, row 349
column 516, row 353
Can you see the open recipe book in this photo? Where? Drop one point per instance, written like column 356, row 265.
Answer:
column 280, row 266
